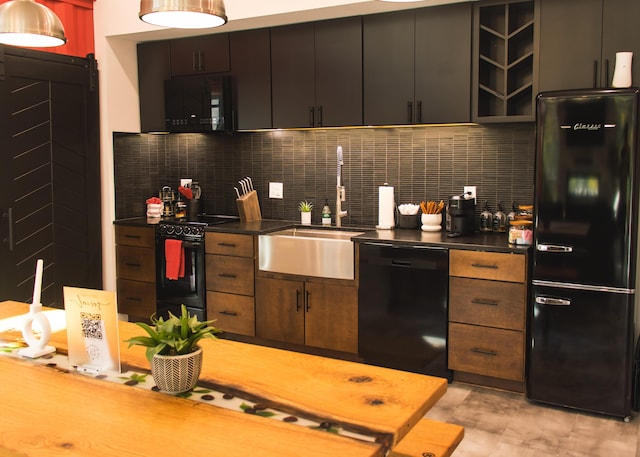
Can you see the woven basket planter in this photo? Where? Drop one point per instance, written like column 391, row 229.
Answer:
column 177, row 373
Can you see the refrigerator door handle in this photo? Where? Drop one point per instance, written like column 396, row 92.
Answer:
column 554, row 248
column 553, row 301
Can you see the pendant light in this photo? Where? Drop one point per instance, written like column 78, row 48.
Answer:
column 27, row 23
column 183, row 14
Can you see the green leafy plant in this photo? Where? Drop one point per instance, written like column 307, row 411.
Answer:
column 174, row 336
column 305, row 206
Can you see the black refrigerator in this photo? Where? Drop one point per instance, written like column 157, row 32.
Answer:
column 581, row 334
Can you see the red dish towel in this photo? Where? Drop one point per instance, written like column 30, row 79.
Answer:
column 174, row 258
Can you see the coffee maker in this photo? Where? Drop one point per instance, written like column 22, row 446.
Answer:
column 461, row 212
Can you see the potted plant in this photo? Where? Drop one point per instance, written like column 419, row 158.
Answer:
column 172, row 349
column 305, row 208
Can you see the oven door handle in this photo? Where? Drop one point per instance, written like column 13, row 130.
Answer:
column 191, row 244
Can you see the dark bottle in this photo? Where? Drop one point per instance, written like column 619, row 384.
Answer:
column 486, row 219
column 500, row 220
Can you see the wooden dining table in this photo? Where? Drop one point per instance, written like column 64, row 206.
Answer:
column 48, row 411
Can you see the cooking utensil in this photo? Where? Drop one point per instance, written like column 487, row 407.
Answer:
column 250, row 183
column 237, row 191
column 243, row 186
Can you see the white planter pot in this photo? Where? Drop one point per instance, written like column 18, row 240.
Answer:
column 177, row 373
column 305, row 218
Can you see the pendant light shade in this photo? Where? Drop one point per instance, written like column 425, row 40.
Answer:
column 183, row 14
column 27, row 23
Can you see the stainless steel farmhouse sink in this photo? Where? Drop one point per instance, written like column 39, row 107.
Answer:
column 318, row 252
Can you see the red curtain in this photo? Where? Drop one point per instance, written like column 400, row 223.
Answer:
column 77, row 19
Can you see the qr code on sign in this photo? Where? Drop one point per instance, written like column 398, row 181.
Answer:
column 91, row 327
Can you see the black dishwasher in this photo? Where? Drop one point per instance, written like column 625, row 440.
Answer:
column 402, row 307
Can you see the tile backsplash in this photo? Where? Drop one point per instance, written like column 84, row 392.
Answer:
column 422, row 163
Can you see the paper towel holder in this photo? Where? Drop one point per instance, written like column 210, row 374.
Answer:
column 386, row 207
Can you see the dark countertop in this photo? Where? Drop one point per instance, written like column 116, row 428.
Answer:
column 496, row 242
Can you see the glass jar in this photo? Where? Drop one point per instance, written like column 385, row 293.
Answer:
column 521, row 232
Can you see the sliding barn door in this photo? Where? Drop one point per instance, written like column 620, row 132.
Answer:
column 50, row 174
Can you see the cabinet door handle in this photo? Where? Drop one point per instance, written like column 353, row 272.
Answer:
column 227, row 275
column 483, row 301
column 484, row 351
column 595, row 74
column 8, row 217
column 311, row 117
column 320, row 116
column 481, row 265
column 228, row 313
column 606, row 73
column 200, row 61
column 307, row 302
column 410, row 112
column 298, row 306
column 419, row 112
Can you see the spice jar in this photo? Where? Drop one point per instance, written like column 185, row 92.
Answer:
column 521, row 232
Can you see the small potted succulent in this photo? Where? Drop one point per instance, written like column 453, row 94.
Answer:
column 305, row 208
column 172, row 349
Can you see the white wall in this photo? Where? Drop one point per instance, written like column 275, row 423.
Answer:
column 118, row 30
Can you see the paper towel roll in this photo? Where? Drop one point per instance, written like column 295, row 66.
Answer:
column 386, row 206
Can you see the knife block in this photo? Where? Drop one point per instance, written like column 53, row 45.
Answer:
column 249, row 207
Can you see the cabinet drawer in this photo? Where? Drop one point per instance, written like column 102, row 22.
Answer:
column 232, row 313
column 136, row 298
column 229, row 244
column 487, row 265
column 135, row 236
column 230, row 274
column 136, row 263
column 491, row 303
column 486, row 351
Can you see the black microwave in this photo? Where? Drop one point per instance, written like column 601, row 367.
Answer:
column 198, row 104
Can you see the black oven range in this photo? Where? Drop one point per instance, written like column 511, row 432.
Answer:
column 180, row 265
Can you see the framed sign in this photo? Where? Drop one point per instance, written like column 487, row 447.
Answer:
column 92, row 329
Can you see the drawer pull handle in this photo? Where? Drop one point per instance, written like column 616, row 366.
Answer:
column 484, row 351
column 227, row 245
column 135, row 237
column 481, row 265
column 129, row 264
column 482, row 301
column 227, row 275
column 134, row 298
column 228, row 313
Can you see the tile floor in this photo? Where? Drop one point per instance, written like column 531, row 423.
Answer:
column 505, row 424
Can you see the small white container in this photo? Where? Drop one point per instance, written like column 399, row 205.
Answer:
column 154, row 209
column 305, row 218
column 431, row 222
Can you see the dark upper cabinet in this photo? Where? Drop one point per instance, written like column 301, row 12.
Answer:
column 251, row 70
column 317, row 74
column 412, row 73
column 154, row 67
column 443, row 66
column 200, row 54
column 578, row 45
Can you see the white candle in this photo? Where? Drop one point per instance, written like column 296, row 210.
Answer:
column 37, row 286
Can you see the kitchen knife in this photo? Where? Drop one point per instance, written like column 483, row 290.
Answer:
column 250, row 183
column 243, row 186
column 237, row 192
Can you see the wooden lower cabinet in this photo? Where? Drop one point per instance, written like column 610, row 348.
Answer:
column 136, row 271
column 230, row 282
column 487, row 317
column 232, row 313
column 309, row 313
column 494, row 352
